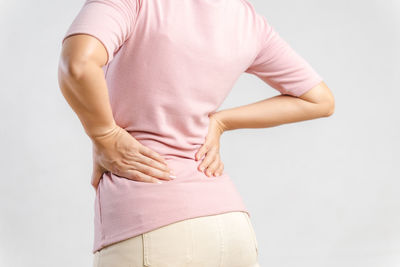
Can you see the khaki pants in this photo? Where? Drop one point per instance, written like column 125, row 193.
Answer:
column 222, row 240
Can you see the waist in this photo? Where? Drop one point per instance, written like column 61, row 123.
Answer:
column 125, row 207
column 175, row 147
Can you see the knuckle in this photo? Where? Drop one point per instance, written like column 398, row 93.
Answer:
column 138, row 176
column 115, row 168
column 125, row 161
column 148, row 161
column 116, row 165
column 166, row 175
column 132, row 154
column 145, row 171
column 153, row 173
column 206, row 162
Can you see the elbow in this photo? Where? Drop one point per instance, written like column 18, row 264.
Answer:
column 322, row 99
column 327, row 103
column 330, row 103
column 332, row 109
column 329, row 108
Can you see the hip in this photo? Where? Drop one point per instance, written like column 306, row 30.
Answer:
column 225, row 239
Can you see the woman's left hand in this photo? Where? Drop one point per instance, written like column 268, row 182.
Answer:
column 211, row 164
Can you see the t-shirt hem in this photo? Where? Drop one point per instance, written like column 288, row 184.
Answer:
column 98, row 35
column 308, row 86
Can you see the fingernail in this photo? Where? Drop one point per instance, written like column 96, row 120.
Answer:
column 201, row 168
column 172, row 176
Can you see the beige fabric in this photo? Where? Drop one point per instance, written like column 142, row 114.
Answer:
column 222, row 240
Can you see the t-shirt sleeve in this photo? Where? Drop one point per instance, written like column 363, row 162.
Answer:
column 279, row 65
column 110, row 21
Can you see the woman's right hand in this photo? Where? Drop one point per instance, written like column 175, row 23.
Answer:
column 120, row 153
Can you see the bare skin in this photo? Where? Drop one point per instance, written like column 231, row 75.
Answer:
column 83, row 85
column 316, row 103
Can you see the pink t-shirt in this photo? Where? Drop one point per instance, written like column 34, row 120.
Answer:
column 170, row 64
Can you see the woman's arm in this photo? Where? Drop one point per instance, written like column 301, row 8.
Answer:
column 83, row 85
column 315, row 103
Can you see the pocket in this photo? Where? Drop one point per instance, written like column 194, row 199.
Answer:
column 171, row 244
column 252, row 231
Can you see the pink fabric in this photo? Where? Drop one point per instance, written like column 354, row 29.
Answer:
column 171, row 64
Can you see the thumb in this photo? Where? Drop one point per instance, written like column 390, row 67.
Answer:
column 203, row 149
column 97, row 173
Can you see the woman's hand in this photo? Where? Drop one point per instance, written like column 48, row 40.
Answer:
column 212, row 163
column 120, row 153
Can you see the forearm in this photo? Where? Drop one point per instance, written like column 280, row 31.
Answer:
column 85, row 89
column 271, row 112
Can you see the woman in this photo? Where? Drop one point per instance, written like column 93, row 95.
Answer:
column 145, row 78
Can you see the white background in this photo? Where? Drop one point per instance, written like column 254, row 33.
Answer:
column 322, row 193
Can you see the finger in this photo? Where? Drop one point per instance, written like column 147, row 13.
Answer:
column 213, row 166
column 220, row 169
column 141, row 177
column 152, row 154
column 147, row 170
column 202, row 151
column 154, row 172
column 141, row 158
column 96, row 176
column 210, row 156
column 97, row 171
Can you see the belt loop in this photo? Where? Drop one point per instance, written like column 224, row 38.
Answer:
column 146, row 249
